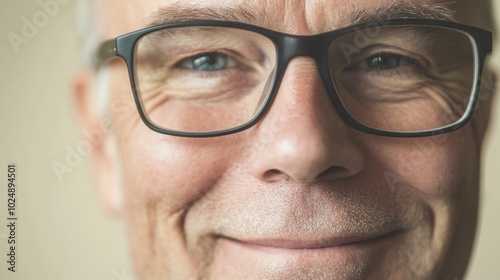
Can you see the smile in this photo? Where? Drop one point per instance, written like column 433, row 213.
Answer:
column 314, row 245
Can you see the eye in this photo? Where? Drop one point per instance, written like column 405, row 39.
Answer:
column 206, row 62
column 385, row 62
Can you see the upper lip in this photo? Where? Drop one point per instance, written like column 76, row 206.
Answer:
column 297, row 243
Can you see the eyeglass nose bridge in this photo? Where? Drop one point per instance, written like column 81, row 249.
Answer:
column 313, row 46
column 293, row 46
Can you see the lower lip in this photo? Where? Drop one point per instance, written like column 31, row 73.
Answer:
column 258, row 255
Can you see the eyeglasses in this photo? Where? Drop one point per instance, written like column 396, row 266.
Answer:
column 398, row 78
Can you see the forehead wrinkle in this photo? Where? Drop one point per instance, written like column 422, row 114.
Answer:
column 346, row 14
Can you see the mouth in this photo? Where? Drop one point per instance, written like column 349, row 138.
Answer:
column 317, row 244
column 298, row 244
column 277, row 257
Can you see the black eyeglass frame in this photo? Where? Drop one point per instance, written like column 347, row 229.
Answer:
column 290, row 46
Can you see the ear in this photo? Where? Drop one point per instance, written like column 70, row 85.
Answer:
column 97, row 129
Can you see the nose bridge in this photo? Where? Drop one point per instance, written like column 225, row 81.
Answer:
column 302, row 137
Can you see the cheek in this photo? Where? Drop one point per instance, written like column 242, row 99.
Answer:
column 170, row 172
column 434, row 166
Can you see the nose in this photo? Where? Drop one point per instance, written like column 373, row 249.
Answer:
column 302, row 138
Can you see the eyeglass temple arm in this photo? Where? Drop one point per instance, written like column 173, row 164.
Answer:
column 105, row 51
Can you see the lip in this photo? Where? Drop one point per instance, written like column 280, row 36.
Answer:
column 317, row 244
column 290, row 256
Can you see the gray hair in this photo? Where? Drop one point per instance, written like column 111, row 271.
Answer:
column 86, row 29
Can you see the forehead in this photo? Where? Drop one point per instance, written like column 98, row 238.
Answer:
column 115, row 17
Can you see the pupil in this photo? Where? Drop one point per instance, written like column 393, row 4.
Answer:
column 211, row 59
column 210, row 62
column 384, row 62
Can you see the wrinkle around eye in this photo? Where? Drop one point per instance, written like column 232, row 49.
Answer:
column 380, row 85
column 154, row 99
column 196, row 87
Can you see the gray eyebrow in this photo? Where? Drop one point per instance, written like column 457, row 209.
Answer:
column 242, row 13
column 179, row 13
column 407, row 11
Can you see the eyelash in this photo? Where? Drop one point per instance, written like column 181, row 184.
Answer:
column 408, row 60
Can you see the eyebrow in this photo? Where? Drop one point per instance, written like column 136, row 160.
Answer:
column 407, row 11
column 240, row 13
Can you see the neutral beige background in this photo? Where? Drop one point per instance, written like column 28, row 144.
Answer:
column 62, row 231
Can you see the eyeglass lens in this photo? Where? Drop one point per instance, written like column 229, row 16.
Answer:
column 392, row 78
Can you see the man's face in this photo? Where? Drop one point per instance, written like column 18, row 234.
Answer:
column 301, row 195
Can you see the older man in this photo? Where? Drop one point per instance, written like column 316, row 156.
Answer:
column 290, row 139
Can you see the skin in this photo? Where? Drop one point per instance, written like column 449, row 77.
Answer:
column 260, row 203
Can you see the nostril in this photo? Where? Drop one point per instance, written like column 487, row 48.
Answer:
column 275, row 175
